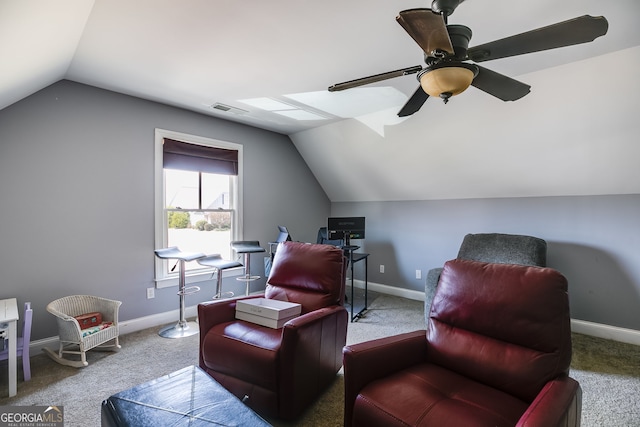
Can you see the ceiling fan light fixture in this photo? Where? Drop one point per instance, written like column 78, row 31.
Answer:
column 447, row 79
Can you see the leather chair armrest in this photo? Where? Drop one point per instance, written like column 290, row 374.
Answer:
column 211, row 313
column 311, row 317
column 559, row 404
column 311, row 349
column 368, row 361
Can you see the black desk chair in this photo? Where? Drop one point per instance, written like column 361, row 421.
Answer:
column 323, row 238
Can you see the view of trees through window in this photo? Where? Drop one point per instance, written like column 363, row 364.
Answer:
column 198, row 212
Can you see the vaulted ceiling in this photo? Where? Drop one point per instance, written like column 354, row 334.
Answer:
column 268, row 64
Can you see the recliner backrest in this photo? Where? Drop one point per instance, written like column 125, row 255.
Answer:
column 309, row 274
column 504, row 249
column 504, row 325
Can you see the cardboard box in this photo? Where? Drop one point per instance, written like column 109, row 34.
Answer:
column 270, row 308
column 267, row 312
column 264, row 321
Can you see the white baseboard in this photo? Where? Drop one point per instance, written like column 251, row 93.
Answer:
column 36, row 347
column 599, row 330
column 390, row 290
column 126, row 327
column 156, row 320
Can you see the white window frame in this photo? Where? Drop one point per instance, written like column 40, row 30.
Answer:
column 164, row 279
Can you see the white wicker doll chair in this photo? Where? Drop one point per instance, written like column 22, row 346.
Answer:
column 74, row 340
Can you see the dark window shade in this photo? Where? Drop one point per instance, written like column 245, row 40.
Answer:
column 199, row 158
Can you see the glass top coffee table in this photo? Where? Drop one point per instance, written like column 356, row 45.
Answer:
column 188, row 397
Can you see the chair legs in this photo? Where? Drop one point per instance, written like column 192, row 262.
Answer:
column 26, row 366
column 22, row 343
column 219, row 293
column 219, row 265
column 182, row 328
column 247, row 247
column 247, row 277
column 80, row 350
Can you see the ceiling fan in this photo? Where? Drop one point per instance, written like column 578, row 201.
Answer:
column 451, row 65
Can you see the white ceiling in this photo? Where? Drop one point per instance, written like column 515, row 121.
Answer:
column 194, row 53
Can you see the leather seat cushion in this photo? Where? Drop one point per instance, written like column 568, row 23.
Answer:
column 243, row 350
column 427, row 394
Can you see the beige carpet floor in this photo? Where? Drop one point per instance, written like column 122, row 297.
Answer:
column 609, row 372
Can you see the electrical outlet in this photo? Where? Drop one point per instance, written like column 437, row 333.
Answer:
column 151, row 293
column 418, row 274
column 381, row 268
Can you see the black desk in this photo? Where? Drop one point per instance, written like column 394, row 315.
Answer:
column 353, row 258
column 188, row 397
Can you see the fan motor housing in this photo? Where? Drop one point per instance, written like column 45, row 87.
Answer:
column 460, row 36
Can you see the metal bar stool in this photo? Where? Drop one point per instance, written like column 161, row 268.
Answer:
column 219, row 264
column 247, row 247
column 182, row 328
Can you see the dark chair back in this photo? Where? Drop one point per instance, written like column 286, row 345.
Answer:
column 323, row 238
column 507, row 326
column 309, row 274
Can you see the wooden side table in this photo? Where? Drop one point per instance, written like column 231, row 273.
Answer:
column 9, row 314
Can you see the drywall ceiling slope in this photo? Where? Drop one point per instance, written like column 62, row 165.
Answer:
column 574, row 134
column 37, row 42
column 194, row 53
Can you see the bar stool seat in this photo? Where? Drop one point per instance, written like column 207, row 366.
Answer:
column 182, row 328
column 247, row 247
column 175, row 253
column 219, row 264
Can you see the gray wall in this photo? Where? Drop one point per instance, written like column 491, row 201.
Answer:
column 76, row 188
column 593, row 240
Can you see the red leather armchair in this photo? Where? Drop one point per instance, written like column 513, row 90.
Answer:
column 282, row 371
column 496, row 352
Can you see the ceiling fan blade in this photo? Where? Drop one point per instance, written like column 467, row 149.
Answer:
column 375, row 78
column 427, row 28
column 414, row 103
column 499, row 85
column 574, row 31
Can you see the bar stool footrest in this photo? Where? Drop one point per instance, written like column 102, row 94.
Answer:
column 189, row 290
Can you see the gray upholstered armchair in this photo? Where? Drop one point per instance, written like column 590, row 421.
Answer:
column 493, row 247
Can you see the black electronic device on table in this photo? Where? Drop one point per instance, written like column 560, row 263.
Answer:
column 346, row 228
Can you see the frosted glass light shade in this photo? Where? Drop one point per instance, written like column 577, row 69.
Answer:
column 448, row 80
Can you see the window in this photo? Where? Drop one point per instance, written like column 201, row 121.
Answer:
column 197, row 200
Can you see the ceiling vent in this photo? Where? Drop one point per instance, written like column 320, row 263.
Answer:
column 228, row 108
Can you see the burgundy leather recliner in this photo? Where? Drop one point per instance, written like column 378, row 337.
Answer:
column 496, row 352
column 280, row 372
